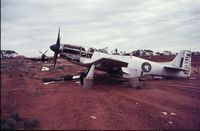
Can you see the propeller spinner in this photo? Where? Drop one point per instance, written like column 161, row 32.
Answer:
column 55, row 48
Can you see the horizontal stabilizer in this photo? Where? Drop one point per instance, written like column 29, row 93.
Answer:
column 174, row 68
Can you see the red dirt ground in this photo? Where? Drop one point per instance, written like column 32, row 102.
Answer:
column 109, row 105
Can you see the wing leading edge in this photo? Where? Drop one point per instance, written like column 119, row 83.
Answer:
column 110, row 63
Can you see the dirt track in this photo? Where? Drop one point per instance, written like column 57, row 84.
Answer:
column 110, row 105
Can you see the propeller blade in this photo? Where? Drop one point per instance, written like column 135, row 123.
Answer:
column 58, row 39
column 45, row 52
column 55, row 48
column 41, row 52
column 55, row 60
column 46, row 56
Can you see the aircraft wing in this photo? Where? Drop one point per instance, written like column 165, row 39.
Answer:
column 174, row 68
column 110, row 63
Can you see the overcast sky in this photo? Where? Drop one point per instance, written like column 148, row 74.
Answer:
column 28, row 26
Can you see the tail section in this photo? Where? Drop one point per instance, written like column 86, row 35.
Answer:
column 183, row 60
column 181, row 64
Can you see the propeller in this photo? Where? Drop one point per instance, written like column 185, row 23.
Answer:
column 44, row 55
column 55, row 48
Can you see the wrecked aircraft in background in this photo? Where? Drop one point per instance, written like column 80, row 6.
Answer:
column 43, row 57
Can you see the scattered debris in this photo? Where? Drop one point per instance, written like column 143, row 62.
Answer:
column 46, row 83
column 170, row 122
column 93, row 117
column 78, row 82
column 44, row 69
column 172, row 114
column 164, row 113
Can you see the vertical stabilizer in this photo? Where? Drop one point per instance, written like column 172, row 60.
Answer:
column 183, row 60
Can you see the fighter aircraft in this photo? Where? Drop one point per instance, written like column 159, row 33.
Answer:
column 129, row 67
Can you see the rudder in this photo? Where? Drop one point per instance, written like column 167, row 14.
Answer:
column 183, row 60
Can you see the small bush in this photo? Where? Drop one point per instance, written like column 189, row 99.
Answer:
column 16, row 116
column 3, row 120
column 5, row 126
column 30, row 123
column 11, row 123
